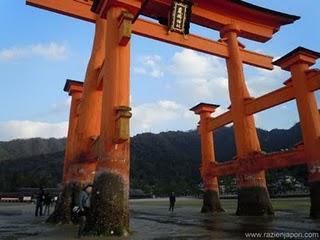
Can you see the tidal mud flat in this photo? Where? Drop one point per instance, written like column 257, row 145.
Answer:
column 150, row 219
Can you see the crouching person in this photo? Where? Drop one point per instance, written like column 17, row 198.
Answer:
column 84, row 205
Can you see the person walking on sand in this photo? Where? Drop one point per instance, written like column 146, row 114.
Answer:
column 39, row 202
column 84, row 205
column 172, row 200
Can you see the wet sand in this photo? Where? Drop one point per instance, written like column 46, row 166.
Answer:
column 150, row 219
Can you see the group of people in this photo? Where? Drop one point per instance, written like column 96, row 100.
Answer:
column 43, row 200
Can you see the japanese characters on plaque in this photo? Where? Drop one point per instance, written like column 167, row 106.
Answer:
column 180, row 16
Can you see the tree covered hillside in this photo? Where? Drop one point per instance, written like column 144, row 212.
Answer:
column 159, row 162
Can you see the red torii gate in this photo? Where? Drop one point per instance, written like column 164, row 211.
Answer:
column 300, row 86
column 104, row 140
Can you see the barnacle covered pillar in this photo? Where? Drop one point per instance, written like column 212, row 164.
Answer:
column 298, row 62
column 211, row 201
column 253, row 196
column 111, row 184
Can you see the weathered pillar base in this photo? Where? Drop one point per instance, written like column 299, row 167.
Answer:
column 315, row 200
column 63, row 210
column 110, row 211
column 211, row 202
column 254, row 201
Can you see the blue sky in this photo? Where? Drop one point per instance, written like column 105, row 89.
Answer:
column 39, row 50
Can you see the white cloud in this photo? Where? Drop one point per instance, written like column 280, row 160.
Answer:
column 28, row 129
column 263, row 81
column 200, row 77
column 149, row 66
column 50, row 51
column 162, row 116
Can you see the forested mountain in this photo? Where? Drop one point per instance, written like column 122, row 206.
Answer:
column 159, row 162
column 22, row 148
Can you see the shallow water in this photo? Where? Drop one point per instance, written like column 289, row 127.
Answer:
column 150, row 219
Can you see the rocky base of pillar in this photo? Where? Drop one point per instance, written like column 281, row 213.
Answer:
column 211, row 202
column 63, row 209
column 315, row 200
column 110, row 211
column 254, row 201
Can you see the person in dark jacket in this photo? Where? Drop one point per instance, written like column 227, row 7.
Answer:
column 172, row 200
column 39, row 202
column 84, row 205
column 47, row 202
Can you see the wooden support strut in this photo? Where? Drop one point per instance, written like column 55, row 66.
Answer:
column 259, row 162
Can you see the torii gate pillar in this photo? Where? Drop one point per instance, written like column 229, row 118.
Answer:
column 62, row 212
column 298, row 62
column 211, row 201
column 253, row 197
column 111, row 185
column 75, row 90
column 84, row 127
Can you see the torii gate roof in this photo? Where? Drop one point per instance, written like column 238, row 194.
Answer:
column 256, row 23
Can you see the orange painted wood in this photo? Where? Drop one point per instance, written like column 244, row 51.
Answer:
column 160, row 32
column 90, row 108
column 75, row 91
column 207, row 145
column 69, row 8
column 255, row 22
column 313, row 81
column 253, row 106
column 114, row 157
column 259, row 162
column 245, row 133
column 309, row 118
column 270, row 100
column 303, row 79
column 89, row 120
column 156, row 31
column 220, row 121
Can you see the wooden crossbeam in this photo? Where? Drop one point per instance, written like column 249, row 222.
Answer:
column 268, row 100
column 220, row 121
column 71, row 8
column 255, row 22
column 259, row 162
column 159, row 32
column 80, row 10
